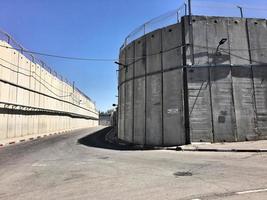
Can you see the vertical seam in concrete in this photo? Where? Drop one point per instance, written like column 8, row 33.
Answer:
column 17, row 89
column 119, row 98
column 211, row 104
column 17, row 78
column 181, row 95
column 29, row 100
column 252, row 79
column 133, row 92
column 145, row 49
column 34, row 95
column 209, row 83
column 185, row 88
column 124, row 112
column 234, row 127
column 161, row 60
column 39, row 99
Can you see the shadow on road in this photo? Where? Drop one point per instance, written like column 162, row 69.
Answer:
column 99, row 140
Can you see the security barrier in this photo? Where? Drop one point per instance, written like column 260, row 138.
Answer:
column 182, row 84
column 35, row 100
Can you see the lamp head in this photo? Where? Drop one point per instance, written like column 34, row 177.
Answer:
column 223, row 40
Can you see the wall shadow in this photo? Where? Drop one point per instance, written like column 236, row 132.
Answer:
column 99, row 140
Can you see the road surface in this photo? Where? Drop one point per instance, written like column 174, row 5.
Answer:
column 59, row 167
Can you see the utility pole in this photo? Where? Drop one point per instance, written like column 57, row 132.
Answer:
column 190, row 32
column 241, row 10
column 189, row 9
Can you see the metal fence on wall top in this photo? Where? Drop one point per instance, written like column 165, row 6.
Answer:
column 12, row 42
column 206, row 8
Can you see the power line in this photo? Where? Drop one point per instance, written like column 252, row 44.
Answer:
column 112, row 59
column 29, row 72
column 60, row 56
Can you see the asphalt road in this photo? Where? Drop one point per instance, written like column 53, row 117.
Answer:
column 59, row 167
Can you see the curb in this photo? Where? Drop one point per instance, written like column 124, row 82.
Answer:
column 222, row 150
column 2, row 145
column 179, row 148
column 134, row 146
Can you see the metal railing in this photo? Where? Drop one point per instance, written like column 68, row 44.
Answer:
column 166, row 19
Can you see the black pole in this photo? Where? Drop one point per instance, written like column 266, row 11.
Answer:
column 190, row 32
column 241, row 11
column 189, row 9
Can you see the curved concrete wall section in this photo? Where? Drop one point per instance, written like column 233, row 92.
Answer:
column 176, row 87
column 34, row 101
column 151, row 89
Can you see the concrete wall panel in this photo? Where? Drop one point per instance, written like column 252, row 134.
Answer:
column 173, row 111
column 129, row 71
column 4, row 126
column 217, row 29
column 153, row 48
column 244, row 102
column 257, row 29
column 222, row 103
column 199, row 104
column 154, row 120
column 242, row 79
column 140, row 92
column 260, row 84
column 140, row 57
column 200, row 118
column 11, row 125
column 5, row 70
column 122, row 111
column 121, row 95
column 154, row 110
column 200, row 40
column 173, row 120
column 139, row 111
column 13, row 78
column 172, row 46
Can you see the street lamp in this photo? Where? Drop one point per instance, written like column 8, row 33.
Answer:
column 222, row 41
column 118, row 63
column 241, row 10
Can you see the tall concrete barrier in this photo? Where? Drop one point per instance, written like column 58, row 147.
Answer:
column 200, row 80
column 33, row 100
column 172, row 94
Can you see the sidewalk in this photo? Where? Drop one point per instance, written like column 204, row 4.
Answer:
column 250, row 146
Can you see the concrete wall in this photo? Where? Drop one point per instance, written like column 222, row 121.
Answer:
column 231, row 111
column 151, row 89
column 34, row 101
column 176, row 83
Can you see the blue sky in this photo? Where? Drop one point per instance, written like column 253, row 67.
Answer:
column 94, row 29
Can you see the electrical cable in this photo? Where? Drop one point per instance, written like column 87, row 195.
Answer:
column 33, row 72
column 35, row 80
column 46, row 95
column 129, row 58
column 71, row 95
column 59, row 56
